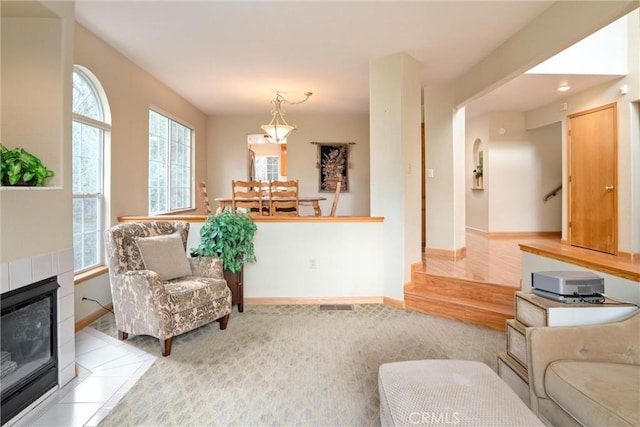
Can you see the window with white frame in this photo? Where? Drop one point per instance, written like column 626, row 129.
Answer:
column 89, row 128
column 267, row 168
column 169, row 164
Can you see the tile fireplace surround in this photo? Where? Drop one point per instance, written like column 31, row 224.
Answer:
column 23, row 272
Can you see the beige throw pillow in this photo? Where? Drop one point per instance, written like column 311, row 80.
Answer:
column 165, row 255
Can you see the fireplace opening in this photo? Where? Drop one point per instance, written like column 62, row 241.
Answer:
column 28, row 345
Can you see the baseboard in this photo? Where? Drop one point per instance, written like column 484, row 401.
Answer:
column 83, row 323
column 323, row 300
column 476, row 230
column 522, row 235
column 446, row 253
column 392, row 302
column 513, row 234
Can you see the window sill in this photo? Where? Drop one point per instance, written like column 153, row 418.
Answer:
column 90, row 274
column 176, row 212
column 27, row 188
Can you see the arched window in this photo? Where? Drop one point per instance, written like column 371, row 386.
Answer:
column 90, row 124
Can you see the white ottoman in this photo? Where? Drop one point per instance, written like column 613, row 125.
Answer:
column 448, row 392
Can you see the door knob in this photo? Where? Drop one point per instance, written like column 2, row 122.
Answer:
column 608, row 187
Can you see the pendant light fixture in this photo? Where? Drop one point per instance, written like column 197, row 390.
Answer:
column 278, row 129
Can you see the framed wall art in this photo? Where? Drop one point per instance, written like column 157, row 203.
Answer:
column 334, row 163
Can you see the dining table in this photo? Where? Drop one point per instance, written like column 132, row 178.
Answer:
column 313, row 201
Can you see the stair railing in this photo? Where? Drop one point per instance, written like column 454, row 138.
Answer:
column 552, row 193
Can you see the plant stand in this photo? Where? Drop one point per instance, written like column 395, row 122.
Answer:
column 235, row 281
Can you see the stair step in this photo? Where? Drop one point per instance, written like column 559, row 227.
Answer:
column 462, row 289
column 468, row 311
column 467, row 302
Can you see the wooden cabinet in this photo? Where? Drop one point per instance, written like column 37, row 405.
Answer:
column 235, row 282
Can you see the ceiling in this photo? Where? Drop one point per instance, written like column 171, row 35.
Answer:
column 229, row 57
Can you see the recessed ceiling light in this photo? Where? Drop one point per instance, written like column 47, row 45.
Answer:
column 563, row 88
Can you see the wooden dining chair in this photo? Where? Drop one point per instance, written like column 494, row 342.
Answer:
column 204, row 198
column 247, row 195
column 284, row 198
column 336, row 197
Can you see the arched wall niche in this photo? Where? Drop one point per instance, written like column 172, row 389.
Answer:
column 478, row 169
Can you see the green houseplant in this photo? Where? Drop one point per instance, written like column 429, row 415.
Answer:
column 229, row 236
column 19, row 167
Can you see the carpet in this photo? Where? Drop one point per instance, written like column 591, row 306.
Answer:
column 289, row 365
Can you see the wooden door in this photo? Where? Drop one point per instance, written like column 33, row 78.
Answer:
column 593, row 179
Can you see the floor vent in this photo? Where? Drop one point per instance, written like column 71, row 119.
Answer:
column 335, row 307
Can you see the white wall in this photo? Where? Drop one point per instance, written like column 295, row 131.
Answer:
column 547, row 141
column 394, row 103
column 477, row 201
column 348, row 260
column 36, row 116
column 227, row 155
column 97, row 288
column 520, row 168
column 521, row 171
column 442, row 217
column 611, row 44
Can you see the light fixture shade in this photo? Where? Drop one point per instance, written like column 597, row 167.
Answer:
column 277, row 132
column 278, row 129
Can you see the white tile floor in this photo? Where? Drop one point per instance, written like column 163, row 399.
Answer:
column 108, row 368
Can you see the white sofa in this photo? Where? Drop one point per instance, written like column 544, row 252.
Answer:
column 586, row 375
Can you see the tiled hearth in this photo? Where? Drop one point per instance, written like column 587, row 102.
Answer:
column 25, row 271
column 107, row 369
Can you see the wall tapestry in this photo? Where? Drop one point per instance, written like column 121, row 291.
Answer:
column 333, row 161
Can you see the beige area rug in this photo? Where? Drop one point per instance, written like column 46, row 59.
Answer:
column 289, row 365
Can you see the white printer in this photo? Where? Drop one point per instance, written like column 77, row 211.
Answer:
column 569, row 286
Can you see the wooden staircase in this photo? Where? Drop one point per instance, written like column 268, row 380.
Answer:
column 477, row 303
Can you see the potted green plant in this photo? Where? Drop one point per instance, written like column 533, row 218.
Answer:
column 229, row 236
column 18, row 167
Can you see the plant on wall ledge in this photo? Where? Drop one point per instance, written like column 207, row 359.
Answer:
column 18, row 167
column 477, row 172
column 229, row 236
column 477, row 177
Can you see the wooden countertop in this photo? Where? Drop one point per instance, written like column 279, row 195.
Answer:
column 290, row 219
column 617, row 265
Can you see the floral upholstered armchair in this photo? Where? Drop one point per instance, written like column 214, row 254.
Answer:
column 156, row 289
